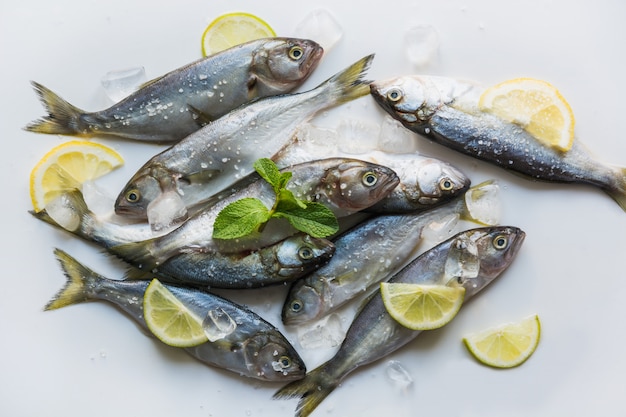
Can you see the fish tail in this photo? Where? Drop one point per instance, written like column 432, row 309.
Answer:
column 618, row 192
column 312, row 390
column 349, row 84
column 62, row 119
column 77, row 287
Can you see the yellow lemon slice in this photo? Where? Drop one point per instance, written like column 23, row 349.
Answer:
column 169, row 319
column 507, row 345
column 233, row 29
column 536, row 106
column 67, row 167
column 421, row 307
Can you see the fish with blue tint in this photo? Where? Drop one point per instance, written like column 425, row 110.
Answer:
column 253, row 348
column 446, row 111
column 169, row 108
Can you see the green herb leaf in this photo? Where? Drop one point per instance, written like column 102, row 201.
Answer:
column 240, row 218
column 315, row 219
column 268, row 170
column 286, row 197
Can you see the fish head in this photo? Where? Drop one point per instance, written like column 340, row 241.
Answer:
column 283, row 64
column 488, row 251
column 135, row 198
column 272, row 358
column 300, row 254
column 303, row 304
column 409, row 99
column 353, row 185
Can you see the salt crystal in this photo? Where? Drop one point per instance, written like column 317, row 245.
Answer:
column 421, row 45
column 322, row 27
column 121, row 83
column 166, row 211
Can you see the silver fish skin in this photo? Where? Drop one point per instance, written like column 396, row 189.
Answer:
column 225, row 150
column 170, row 107
column 369, row 253
column 253, row 348
column 446, row 111
column 280, row 262
column 344, row 185
column 374, row 334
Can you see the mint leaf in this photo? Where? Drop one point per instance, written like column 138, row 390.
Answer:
column 316, row 219
column 240, row 218
column 287, row 199
column 268, row 170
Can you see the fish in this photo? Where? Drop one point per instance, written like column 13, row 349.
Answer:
column 374, row 334
column 369, row 253
column 225, row 150
column 254, row 348
column 282, row 261
column 446, row 111
column 173, row 106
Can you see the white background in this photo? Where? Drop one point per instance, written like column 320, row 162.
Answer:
column 91, row 360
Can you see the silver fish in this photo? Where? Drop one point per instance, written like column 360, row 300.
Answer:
column 280, row 262
column 446, row 111
column 374, row 334
column 252, row 347
column 365, row 255
column 173, row 106
column 225, row 150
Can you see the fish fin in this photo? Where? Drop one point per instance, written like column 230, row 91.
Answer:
column 618, row 193
column 62, row 119
column 349, row 84
column 201, row 118
column 312, row 390
column 76, row 288
column 137, row 254
column 202, row 176
column 136, row 274
column 149, row 82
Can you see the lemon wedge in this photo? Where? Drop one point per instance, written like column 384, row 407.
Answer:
column 169, row 319
column 67, row 167
column 507, row 345
column 233, row 29
column 535, row 105
column 421, row 307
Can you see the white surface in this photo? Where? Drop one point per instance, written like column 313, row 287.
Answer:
column 91, row 360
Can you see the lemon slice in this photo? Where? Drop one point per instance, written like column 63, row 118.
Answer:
column 536, row 106
column 421, row 307
column 169, row 319
column 233, row 29
column 507, row 345
column 67, row 167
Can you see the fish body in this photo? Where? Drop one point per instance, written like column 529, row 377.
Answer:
column 253, row 348
column 446, row 111
column 225, row 150
column 173, row 106
column 374, row 334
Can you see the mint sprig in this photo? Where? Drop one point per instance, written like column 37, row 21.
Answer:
column 248, row 215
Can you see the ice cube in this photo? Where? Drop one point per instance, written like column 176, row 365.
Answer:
column 326, row 333
column 398, row 374
column 483, row 203
column 218, row 324
column 98, row 200
column 439, row 230
column 63, row 213
column 421, row 45
column 462, row 262
column 121, row 83
column 357, row 136
column 396, row 138
column 166, row 211
column 322, row 27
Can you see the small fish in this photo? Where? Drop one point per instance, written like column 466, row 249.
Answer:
column 365, row 255
column 169, row 108
column 446, row 111
column 374, row 334
column 252, row 348
column 280, row 262
column 225, row 150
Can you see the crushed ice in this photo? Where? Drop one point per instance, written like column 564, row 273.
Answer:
column 325, row 333
column 120, row 84
column 166, row 211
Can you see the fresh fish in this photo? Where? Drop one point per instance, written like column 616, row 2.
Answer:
column 224, row 151
column 446, row 111
column 370, row 252
column 280, row 262
column 252, row 347
column 173, row 106
column 374, row 334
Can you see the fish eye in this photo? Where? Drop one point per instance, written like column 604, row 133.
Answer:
column 296, row 306
column 133, row 196
column 446, row 184
column 394, row 95
column 296, row 53
column 285, row 362
column 370, row 179
column 500, row 242
column 305, row 253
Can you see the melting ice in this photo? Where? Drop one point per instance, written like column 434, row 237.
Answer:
column 165, row 211
column 323, row 334
column 422, row 45
column 322, row 27
column 218, row 324
column 121, row 83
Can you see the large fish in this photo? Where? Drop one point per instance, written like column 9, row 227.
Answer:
column 374, row 334
column 224, row 151
column 253, row 348
column 173, row 106
column 446, row 111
